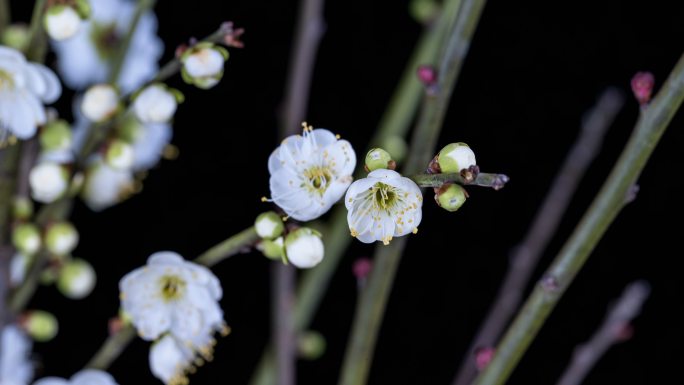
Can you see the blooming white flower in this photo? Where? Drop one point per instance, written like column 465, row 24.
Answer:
column 105, row 186
column 86, row 58
column 203, row 65
column 309, row 173
column 84, row 377
column 15, row 366
column 170, row 359
column 382, row 206
column 100, row 102
column 304, row 248
column 61, row 22
column 48, row 182
column 155, row 104
column 172, row 295
column 24, row 87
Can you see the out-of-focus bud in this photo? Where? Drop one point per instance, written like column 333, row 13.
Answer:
column 304, row 248
column 311, row 345
column 455, row 157
column 48, row 182
column 203, row 64
column 26, row 238
column 61, row 21
column 378, row 158
column 55, row 136
column 40, row 325
column 156, row 103
column 362, row 267
column 61, row 238
column 395, row 145
column 483, row 356
column 450, row 197
column 16, row 36
column 269, row 225
column 22, row 208
column 119, row 155
column 272, row 249
column 424, row 11
column 100, row 102
column 642, row 87
column 427, row 75
column 76, row 279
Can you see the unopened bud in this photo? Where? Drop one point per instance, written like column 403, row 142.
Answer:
column 483, row 356
column 455, row 157
column 451, row 197
column 56, row 135
column 362, row 267
column 203, row 64
column 26, row 238
column 304, row 248
column 311, row 345
column 378, row 158
column 76, row 279
column 119, row 155
column 48, row 182
column 61, row 22
column 16, row 36
column 642, row 86
column 61, row 238
column 156, row 103
column 272, row 249
column 427, row 75
column 100, row 102
column 40, row 325
column 22, row 208
column 424, row 11
column 269, row 225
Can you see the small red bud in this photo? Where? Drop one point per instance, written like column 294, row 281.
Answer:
column 115, row 324
column 180, row 49
column 624, row 332
column 427, row 75
column 483, row 356
column 362, row 267
column 642, row 86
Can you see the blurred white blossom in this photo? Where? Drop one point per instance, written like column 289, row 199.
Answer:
column 86, row 58
column 48, row 181
column 24, row 87
column 310, row 172
column 170, row 358
column 84, row 377
column 105, row 186
column 15, row 348
column 382, row 206
column 155, row 104
column 203, row 65
column 62, row 22
column 172, row 295
column 100, row 102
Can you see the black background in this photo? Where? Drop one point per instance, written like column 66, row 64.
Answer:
column 534, row 68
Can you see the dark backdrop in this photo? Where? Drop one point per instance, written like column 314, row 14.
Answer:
column 533, row 70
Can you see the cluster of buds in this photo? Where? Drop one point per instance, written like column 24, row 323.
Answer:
column 300, row 246
column 453, row 158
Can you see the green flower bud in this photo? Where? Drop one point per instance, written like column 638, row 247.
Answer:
column 455, row 157
column 15, row 36
column 304, row 248
column 41, row 325
column 269, row 225
column 61, row 238
column 272, row 249
column 378, row 158
column 26, row 238
column 22, row 208
column 56, row 136
column 83, row 8
column 119, row 155
column 451, row 197
column 311, row 345
column 76, row 279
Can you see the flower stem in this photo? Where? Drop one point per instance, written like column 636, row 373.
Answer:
column 117, row 342
column 37, row 38
column 374, row 297
column 5, row 13
column 593, row 225
column 483, row 179
column 611, row 332
column 141, row 7
column 525, row 257
column 395, row 122
column 282, row 325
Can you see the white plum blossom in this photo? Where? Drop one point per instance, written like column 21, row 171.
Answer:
column 100, row 102
column 155, row 104
column 62, row 22
column 86, row 58
column 310, row 173
column 48, row 182
column 105, row 186
column 170, row 359
column 84, row 377
column 171, row 295
column 382, row 206
column 15, row 348
column 24, row 88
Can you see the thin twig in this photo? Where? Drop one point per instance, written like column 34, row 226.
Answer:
column 115, row 344
column 483, row 179
column 29, row 151
column 141, row 7
column 603, row 211
column 525, row 256
column 369, row 315
column 282, row 325
column 611, row 332
column 310, row 27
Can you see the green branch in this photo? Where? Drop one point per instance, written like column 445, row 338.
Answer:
column 37, row 38
column 587, row 234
